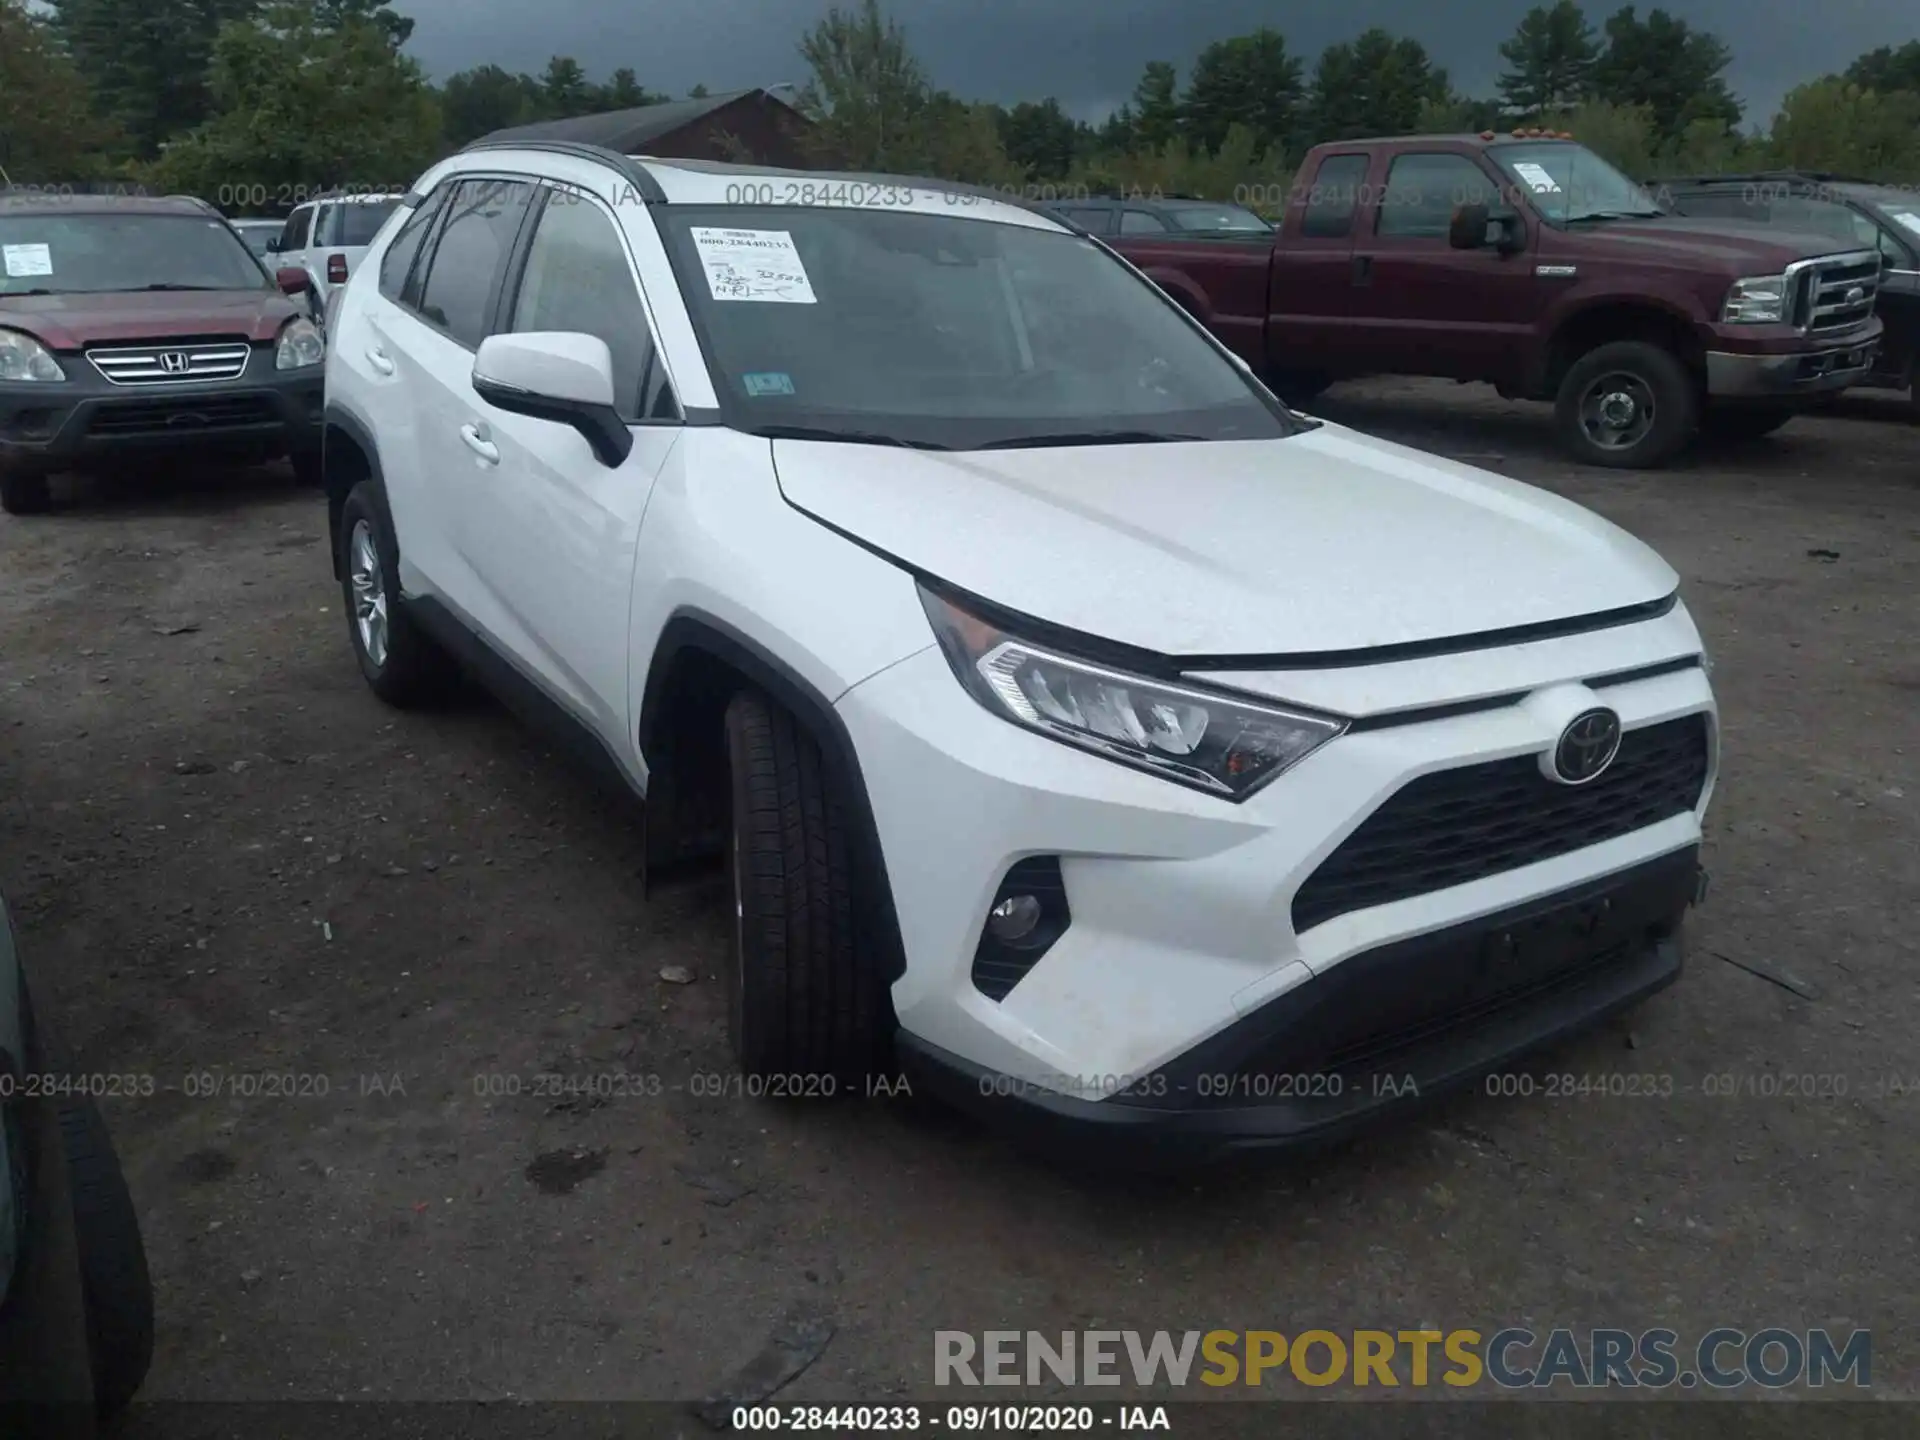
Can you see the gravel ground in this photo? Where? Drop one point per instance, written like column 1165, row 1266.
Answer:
column 224, row 856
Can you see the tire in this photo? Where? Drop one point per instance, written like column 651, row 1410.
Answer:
column 24, row 492
column 401, row 663
column 804, row 996
column 113, row 1261
column 1629, row 405
column 308, row 471
column 1745, row 422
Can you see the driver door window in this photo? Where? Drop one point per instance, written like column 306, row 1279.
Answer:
column 578, row 278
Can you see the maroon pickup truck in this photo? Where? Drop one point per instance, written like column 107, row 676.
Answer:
column 1527, row 261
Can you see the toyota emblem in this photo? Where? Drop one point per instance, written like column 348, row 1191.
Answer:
column 1587, row 746
column 174, row 362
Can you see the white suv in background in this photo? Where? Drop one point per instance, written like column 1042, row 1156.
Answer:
column 328, row 238
column 1126, row 754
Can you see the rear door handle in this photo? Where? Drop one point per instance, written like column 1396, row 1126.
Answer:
column 1363, row 269
column 477, row 441
column 377, row 358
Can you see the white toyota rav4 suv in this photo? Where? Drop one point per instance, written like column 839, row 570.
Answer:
column 1126, row 754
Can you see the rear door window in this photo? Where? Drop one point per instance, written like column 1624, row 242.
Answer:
column 357, row 223
column 1141, row 222
column 299, row 225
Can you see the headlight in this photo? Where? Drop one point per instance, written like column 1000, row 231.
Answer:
column 1756, row 300
column 24, row 358
column 1217, row 743
column 300, row 346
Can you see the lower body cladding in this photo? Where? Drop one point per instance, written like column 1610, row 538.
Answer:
column 1097, row 954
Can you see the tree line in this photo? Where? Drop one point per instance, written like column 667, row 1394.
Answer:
column 276, row 97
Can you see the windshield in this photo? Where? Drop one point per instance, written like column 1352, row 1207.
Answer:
column 944, row 331
column 357, row 223
column 258, row 237
column 1215, row 218
column 1568, row 183
column 69, row 253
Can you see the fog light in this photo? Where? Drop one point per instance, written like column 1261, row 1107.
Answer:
column 1014, row 918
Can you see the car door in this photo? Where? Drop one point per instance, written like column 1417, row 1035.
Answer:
column 1309, row 284
column 552, row 532
column 379, row 342
column 1418, row 306
column 451, row 303
column 294, row 237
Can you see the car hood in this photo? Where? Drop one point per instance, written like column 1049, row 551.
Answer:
column 1326, row 541
column 71, row 322
column 1737, row 246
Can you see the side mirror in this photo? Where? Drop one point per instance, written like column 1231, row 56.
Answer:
column 293, row 280
column 1468, row 228
column 558, row 375
column 273, row 245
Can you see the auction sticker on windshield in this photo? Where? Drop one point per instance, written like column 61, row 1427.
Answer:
column 27, row 259
column 1536, row 176
column 753, row 265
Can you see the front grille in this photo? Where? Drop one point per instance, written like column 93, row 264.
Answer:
column 181, row 417
column 171, row 364
column 1455, row 826
column 1837, row 295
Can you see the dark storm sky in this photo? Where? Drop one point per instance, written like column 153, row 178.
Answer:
column 1089, row 52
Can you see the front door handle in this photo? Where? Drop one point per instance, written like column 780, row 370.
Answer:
column 1363, row 269
column 477, row 441
column 377, row 358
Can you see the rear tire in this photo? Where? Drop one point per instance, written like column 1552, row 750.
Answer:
column 24, row 492
column 1629, row 405
column 401, row 663
column 1745, row 422
column 113, row 1260
column 804, row 995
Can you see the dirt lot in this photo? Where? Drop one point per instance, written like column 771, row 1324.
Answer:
column 223, row 855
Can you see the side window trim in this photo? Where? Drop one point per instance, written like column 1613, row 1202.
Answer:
column 428, row 214
column 509, row 297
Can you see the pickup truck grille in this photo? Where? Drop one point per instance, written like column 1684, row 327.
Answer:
column 1452, row 826
column 1836, row 292
column 171, row 364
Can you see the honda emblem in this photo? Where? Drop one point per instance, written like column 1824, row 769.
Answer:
column 175, row 362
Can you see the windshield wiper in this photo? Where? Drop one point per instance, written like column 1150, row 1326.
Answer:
column 16, row 294
column 843, row 437
column 1617, row 215
column 169, row 285
column 1088, row 437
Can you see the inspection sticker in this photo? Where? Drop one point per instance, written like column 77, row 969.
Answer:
column 753, row 265
column 27, row 259
column 768, row 382
column 1537, row 177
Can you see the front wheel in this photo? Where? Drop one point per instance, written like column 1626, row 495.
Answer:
column 24, row 492
column 113, row 1261
column 401, row 663
column 1629, row 405
column 804, row 995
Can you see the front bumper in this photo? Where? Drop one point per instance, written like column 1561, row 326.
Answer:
column 1390, row 1028
column 1188, row 914
column 1734, row 376
column 262, row 414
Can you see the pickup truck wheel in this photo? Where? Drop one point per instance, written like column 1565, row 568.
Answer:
column 402, row 665
column 1744, row 423
column 24, row 492
column 1629, row 405
column 803, row 998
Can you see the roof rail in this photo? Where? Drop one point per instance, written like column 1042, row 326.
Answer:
column 1748, row 177
column 629, row 169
